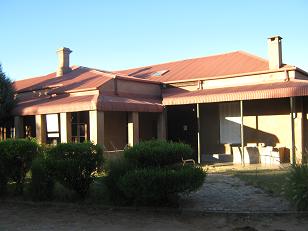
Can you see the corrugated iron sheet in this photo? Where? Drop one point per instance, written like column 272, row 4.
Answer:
column 61, row 103
column 212, row 66
column 80, row 78
column 251, row 92
column 66, row 103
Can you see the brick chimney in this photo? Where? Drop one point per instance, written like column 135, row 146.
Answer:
column 63, row 61
column 274, row 52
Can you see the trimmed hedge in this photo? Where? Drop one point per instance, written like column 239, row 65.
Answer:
column 16, row 159
column 296, row 187
column 42, row 181
column 116, row 169
column 151, row 173
column 4, row 173
column 158, row 153
column 73, row 165
column 157, row 186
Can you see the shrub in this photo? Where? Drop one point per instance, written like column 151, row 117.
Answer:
column 158, row 153
column 73, row 165
column 296, row 188
column 115, row 169
column 19, row 155
column 42, row 182
column 4, row 175
column 157, row 186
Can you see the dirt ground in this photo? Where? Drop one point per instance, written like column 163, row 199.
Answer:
column 20, row 216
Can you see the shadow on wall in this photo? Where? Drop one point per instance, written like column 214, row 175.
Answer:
column 252, row 135
column 232, row 135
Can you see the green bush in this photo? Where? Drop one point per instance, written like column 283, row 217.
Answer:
column 4, row 173
column 42, row 182
column 296, row 188
column 19, row 155
column 73, row 165
column 158, row 186
column 158, row 153
column 115, row 169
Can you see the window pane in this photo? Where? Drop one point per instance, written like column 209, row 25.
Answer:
column 230, row 123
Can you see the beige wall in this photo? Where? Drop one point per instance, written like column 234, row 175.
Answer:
column 272, row 126
column 107, row 86
column 138, row 88
column 240, row 80
column 268, row 121
column 115, row 130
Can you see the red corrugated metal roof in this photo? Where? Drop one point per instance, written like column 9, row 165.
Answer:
column 67, row 103
column 80, row 78
column 238, row 62
column 175, row 96
column 57, row 104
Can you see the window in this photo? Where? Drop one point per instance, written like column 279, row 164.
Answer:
column 159, row 73
column 80, row 131
column 230, row 123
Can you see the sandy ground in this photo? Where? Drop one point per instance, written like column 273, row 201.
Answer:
column 19, row 216
column 220, row 193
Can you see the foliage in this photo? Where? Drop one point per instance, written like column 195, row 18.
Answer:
column 271, row 181
column 157, row 186
column 19, row 155
column 7, row 101
column 42, row 182
column 4, row 173
column 150, row 174
column 115, row 169
column 73, row 165
column 158, row 153
column 296, row 188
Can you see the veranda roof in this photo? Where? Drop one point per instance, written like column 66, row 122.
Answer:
column 174, row 96
column 68, row 103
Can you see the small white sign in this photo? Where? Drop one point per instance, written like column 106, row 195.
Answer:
column 52, row 121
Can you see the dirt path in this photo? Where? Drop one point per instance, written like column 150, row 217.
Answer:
column 227, row 193
column 15, row 216
column 219, row 193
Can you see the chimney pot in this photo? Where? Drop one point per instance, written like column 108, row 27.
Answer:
column 274, row 52
column 63, row 61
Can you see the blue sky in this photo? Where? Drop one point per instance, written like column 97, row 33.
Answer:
column 119, row 34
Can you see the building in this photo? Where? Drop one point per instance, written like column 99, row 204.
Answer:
column 219, row 104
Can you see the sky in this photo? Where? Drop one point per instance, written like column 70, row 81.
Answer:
column 121, row 34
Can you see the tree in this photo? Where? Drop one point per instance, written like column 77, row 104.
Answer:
column 7, row 101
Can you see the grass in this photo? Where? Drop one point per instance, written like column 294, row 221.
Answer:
column 271, row 181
